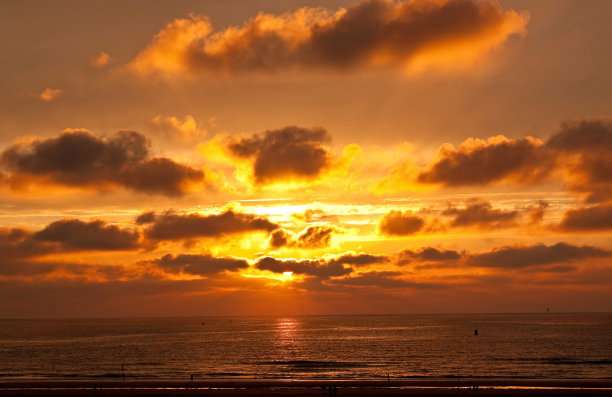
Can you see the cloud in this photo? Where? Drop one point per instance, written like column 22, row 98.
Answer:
column 289, row 153
column 314, row 215
column 370, row 33
column 385, row 279
column 200, row 265
column 478, row 162
column 79, row 158
column 145, row 217
column 311, row 237
column 427, row 254
column 481, row 214
column 399, row 223
column 595, row 218
column 160, row 175
column 100, row 60
column 584, row 149
column 579, row 154
column 522, row 256
column 361, row 259
column 536, row 214
column 170, row 128
column 50, row 94
column 18, row 243
column 310, row 267
column 94, row 235
column 170, row 226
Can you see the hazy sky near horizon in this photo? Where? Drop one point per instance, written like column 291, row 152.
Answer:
column 302, row 157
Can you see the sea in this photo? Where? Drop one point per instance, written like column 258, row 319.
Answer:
column 372, row 347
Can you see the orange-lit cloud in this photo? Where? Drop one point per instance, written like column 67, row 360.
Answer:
column 100, row 60
column 174, row 129
column 78, row 158
column 584, row 150
column 50, row 94
column 401, row 223
column 478, row 162
column 579, row 155
column 401, row 34
column 594, row 218
column 93, row 235
column 172, row 226
column 311, row 237
column 482, row 215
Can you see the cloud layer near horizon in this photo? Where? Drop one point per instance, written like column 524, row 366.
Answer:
column 370, row 33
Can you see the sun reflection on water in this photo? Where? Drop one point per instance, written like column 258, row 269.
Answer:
column 287, row 338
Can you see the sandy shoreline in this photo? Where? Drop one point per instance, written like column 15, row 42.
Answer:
column 317, row 388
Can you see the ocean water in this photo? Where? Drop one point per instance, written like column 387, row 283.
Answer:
column 310, row 347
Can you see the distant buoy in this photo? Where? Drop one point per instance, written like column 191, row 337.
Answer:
column 475, row 332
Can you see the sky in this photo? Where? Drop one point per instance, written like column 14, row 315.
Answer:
column 285, row 157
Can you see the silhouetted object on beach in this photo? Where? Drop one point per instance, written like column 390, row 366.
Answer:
column 476, row 331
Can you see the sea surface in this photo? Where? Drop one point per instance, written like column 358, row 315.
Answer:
column 547, row 345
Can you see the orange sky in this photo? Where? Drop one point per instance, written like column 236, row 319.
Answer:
column 305, row 157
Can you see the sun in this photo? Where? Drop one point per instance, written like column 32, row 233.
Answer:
column 287, row 274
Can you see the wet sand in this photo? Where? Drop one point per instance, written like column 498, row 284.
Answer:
column 315, row 388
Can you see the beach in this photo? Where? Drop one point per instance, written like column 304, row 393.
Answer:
column 298, row 388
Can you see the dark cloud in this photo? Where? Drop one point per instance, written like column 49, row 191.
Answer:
column 73, row 234
column 359, row 259
column 310, row 267
column 18, row 243
column 200, row 264
column 373, row 32
column 385, row 279
column 160, row 176
column 481, row 214
column 522, row 256
column 577, row 136
column 24, row 268
column 483, row 163
column 170, row 226
column 145, row 217
column 398, row 223
column 81, row 159
column 291, row 152
column 427, row 254
column 584, row 148
column 311, row 237
column 595, row 218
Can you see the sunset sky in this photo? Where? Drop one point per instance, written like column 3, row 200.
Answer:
column 232, row 157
